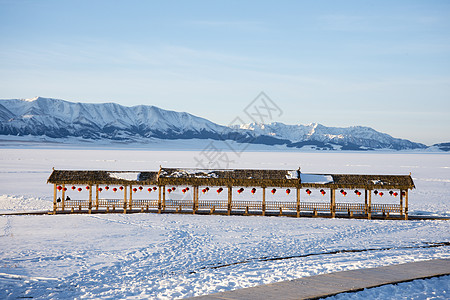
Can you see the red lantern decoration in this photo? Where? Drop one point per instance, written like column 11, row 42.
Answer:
column 141, row 188
column 273, row 191
column 391, row 192
column 358, row 193
column 288, row 191
column 149, row 190
column 155, row 188
column 80, row 189
column 204, row 191
column 344, row 193
column 187, row 188
column 135, row 190
column 121, row 188
column 59, row 187
column 308, row 191
column 73, row 187
column 100, row 189
column 106, row 187
column 173, row 189
column 240, row 190
column 322, row 192
column 403, row 193
column 395, row 194
column 219, row 190
column 114, row 190
column 375, row 192
column 87, row 187
column 253, row 191
column 169, row 190
column 64, row 189
column 381, row 194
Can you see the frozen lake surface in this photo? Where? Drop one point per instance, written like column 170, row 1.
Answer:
column 176, row 256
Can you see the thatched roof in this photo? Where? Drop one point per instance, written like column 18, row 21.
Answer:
column 362, row 181
column 226, row 177
column 103, row 177
column 230, row 177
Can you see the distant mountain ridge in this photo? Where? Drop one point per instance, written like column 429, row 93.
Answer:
column 61, row 119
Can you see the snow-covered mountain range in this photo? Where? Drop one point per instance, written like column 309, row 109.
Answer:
column 61, row 119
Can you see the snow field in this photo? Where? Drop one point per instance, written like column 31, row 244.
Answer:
column 176, row 256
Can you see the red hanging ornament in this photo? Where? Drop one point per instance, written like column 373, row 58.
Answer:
column 381, row 194
column 322, row 192
column 187, row 188
column 135, row 190
column 114, row 190
column 288, row 191
column 121, row 188
column 100, row 189
column 59, row 187
column 64, row 189
column 169, row 190
column 240, row 190
column 106, row 187
column 344, row 193
column 73, row 187
column 80, row 189
column 273, row 191
column 173, row 189
column 87, row 187
column 183, row 190
column 253, row 191
column 204, row 191
column 219, row 190
column 155, row 188
column 395, row 194
column 308, row 191
column 375, row 192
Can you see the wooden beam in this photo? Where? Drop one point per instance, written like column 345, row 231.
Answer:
column 90, row 198
column 369, row 207
column 401, row 203
column 333, row 202
column 195, row 198
column 406, row 204
column 130, row 201
column 159, row 199
column 63, row 204
column 298, row 202
column 230, row 198
column 366, row 203
column 96, row 197
column 124, row 199
column 54, row 198
column 263, row 201
column 164, row 198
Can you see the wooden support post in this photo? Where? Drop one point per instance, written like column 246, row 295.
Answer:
column 281, row 211
column 264, row 201
column 90, row 199
column 96, row 197
column 195, row 199
column 366, row 205
column 130, row 201
column 333, row 202
column 159, row 199
column 230, row 198
column 369, row 205
column 406, row 205
column 63, row 204
column 401, row 203
column 164, row 198
column 125, row 199
column 298, row 202
column 54, row 198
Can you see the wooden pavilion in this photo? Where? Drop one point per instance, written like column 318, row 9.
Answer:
column 167, row 180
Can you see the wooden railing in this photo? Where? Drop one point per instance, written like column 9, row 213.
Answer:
column 385, row 208
column 358, row 208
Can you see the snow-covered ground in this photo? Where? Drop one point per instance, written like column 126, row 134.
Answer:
column 176, row 256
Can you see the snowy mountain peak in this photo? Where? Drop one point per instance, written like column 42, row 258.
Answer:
column 61, row 119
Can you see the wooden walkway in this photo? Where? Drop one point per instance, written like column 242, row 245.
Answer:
column 315, row 287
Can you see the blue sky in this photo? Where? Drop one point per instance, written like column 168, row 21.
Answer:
column 383, row 64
